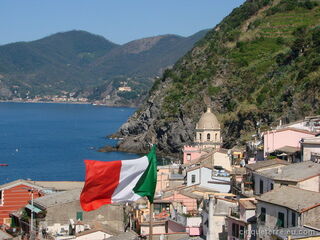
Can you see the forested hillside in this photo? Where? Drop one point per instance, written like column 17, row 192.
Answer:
column 259, row 65
column 82, row 64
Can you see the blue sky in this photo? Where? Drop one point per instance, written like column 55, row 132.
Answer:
column 117, row 20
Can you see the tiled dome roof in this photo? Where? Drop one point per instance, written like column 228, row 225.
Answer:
column 208, row 121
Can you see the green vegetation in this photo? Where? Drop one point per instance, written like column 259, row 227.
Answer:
column 261, row 63
column 87, row 64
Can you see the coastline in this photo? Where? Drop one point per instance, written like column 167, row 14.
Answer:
column 69, row 102
column 62, row 102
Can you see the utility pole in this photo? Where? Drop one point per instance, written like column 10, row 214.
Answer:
column 151, row 222
column 210, row 233
column 31, row 191
column 153, row 141
column 31, row 224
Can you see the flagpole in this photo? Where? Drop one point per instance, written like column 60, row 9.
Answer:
column 153, row 141
column 151, row 222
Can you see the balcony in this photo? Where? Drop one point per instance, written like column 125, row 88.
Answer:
column 188, row 221
column 235, row 212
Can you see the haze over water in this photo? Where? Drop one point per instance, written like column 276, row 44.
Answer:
column 50, row 141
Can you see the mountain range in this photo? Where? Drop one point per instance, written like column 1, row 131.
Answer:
column 258, row 66
column 81, row 64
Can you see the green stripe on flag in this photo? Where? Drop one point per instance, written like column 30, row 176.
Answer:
column 146, row 186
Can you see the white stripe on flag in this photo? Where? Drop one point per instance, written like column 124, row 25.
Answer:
column 131, row 171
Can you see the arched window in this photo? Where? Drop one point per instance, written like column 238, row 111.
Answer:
column 216, row 137
column 200, row 137
column 208, row 137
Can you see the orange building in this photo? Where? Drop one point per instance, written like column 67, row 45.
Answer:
column 15, row 195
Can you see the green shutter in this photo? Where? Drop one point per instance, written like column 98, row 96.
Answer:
column 80, row 216
column 280, row 221
column 13, row 223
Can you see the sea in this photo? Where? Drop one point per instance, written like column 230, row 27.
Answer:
column 50, row 141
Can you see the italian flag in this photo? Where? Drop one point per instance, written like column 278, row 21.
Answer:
column 119, row 181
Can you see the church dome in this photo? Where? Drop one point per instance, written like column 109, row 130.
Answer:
column 208, row 121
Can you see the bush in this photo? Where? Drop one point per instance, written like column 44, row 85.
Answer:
column 255, row 24
column 309, row 5
column 213, row 90
column 316, row 36
column 280, row 40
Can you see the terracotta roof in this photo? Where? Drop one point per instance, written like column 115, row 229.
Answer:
column 247, row 204
column 45, row 185
column 288, row 149
column 202, row 189
column 297, row 199
column 190, row 194
column 238, row 171
column 202, row 165
column 204, row 157
column 58, row 198
column 266, row 163
column 125, row 236
column 18, row 182
column 295, row 172
column 184, row 193
column 58, row 185
column 109, row 231
column 291, row 129
column 190, row 189
column 155, row 223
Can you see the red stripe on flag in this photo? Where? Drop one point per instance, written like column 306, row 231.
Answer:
column 102, row 178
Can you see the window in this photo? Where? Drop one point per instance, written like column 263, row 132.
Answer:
column 293, row 219
column 208, row 137
column 216, row 137
column 263, row 215
column 193, row 178
column 280, row 221
column 200, row 136
column 241, row 232
column 188, row 156
column 235, row 230
column 7, row 221
column 80, row 216
column 271, row 186
column 261, row 187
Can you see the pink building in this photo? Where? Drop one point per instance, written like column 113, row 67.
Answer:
column 188, row 200
column 191, row 153
column 191, row 225
column 286, row 137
